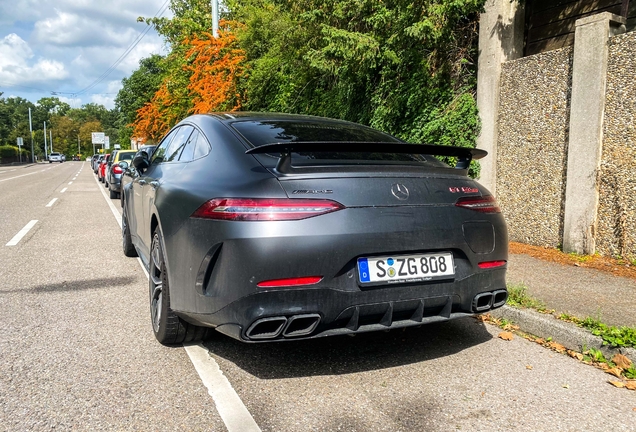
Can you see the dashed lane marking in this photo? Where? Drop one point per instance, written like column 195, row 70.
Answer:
column 16, row 239
column 50, row 204
column 63, row 190
column 231, row 408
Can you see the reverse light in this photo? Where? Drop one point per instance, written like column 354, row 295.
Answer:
column 491, row 264
column 485, row 204
column 264, row 209
column 290, row 282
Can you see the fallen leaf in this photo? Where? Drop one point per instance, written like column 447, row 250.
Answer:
column 557, row 347
column 603, row 366
column 615, row 371
column 567, row 386
column 528, row 367
column 575, row 355
column 631, row 385
column 618, row 384
column 621, row 361
column 577, row 264
column 506, row 336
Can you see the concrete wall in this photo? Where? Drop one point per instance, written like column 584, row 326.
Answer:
column 534, row 106
column 617, row 204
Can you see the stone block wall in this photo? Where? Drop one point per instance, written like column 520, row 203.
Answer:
column 532, row 140
column 617, row 193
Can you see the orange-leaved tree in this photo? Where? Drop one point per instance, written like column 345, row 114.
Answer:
column 217, row 66
column 204, row 75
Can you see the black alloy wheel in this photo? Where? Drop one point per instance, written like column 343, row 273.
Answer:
column 127, row 244
column 168, row 328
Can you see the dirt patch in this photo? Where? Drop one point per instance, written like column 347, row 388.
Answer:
column 609, row 265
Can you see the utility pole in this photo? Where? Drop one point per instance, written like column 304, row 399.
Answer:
column 78, row 146
column 51, row 139
column 215, row 18
column 45, row 149
column 31, row 130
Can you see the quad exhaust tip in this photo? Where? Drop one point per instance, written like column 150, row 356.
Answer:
column 266, row 328
column 490, row 300
column 273, row 327
column 301, row 325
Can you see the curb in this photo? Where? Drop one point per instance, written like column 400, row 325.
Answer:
column 567, row 334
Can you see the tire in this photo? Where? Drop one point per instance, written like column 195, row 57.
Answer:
column 126, row 240
column 105, row 184
column 168, row 328
column 112, row 194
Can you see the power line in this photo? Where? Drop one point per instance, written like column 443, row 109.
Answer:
column 121, row 58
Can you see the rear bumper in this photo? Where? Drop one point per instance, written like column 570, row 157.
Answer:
column 217, row 265
column 311, row 313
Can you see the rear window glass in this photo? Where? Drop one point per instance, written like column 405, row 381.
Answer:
column 126, row 156
column 259, row 133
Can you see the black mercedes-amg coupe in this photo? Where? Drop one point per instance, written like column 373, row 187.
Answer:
column 271, row 227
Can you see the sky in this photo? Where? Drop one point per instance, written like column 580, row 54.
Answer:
column 66, row 48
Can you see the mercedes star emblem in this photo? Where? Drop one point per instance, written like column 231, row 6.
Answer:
column 400, row 191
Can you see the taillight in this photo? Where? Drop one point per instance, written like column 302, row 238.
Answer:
column 485, row 204
column 117, row 170
column 264, row 209
column 491, row 264
column 309, row 280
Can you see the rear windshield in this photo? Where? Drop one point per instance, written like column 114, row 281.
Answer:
column 258, row 133
column 126, row 156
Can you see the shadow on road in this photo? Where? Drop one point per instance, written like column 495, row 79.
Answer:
column 80, row 285
column 344, row 354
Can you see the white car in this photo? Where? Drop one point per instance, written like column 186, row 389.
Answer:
column 55, row 157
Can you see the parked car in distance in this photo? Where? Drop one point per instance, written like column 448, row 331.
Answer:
column 63, row 158
column 272, row 227
column 101, row 169
column 130, row 172
column 96, row 162
column 116, row 170
column 55, row 157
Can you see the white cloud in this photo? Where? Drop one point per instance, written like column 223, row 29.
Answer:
column 17, row 63
column 65, row 46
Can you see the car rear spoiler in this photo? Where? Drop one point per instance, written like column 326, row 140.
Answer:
column 464, row 155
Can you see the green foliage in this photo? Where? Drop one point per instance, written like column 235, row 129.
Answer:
column 613, row 336
column 518, row 297
column 8, row 151
column 405, row 67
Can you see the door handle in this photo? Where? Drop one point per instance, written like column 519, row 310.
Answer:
column 154, row 184
column 142, row 182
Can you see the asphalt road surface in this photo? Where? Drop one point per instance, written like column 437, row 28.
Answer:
column 77, row 350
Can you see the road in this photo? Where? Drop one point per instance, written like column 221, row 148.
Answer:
column 77, row 350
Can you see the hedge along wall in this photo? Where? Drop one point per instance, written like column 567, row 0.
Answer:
column 617, row 208
column 534, row 115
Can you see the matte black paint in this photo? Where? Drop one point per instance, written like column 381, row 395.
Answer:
column 214, row 266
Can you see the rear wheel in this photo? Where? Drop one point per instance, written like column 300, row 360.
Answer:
column 168, row 328
column 112, row 194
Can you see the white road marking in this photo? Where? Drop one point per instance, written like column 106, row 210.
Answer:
column 231, row 408
column 229, row 405
column 63, row 190
column 70, row 183
column 50, row 204
column 74, row 178
column 23, row 175
column 16, row 239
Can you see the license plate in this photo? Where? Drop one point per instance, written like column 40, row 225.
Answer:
column 406, row 268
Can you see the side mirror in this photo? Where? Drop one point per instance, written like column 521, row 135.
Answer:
column 141, row 161
column 123, row 165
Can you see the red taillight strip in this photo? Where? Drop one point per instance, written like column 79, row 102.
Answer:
column 491, row 264
column 485, row 204
column 264, row 209
column 308, row 280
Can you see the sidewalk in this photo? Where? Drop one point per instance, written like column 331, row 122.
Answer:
column 581, row 292
column 578, row 291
